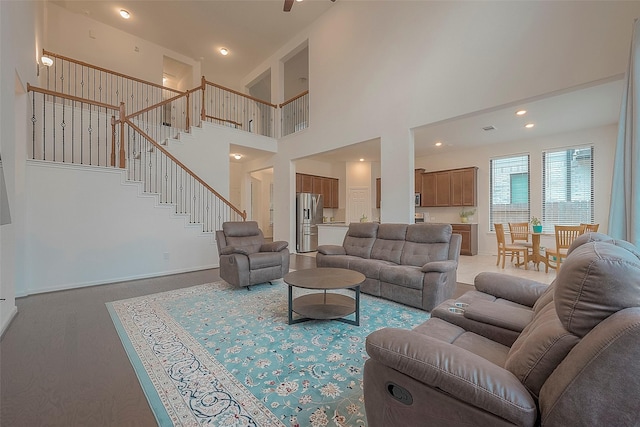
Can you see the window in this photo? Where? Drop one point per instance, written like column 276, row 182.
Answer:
column 567, row 187
column 509, row 190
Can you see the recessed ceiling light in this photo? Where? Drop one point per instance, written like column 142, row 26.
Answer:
column 224, row 51
column 362, row 160
column 529, row 125
column 438, row 144
column 237, row 156
column 125, row 13
column 521, row 112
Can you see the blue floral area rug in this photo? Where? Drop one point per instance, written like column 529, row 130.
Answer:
column 215, row 355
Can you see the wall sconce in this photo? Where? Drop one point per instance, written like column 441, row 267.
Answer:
column 45, row 61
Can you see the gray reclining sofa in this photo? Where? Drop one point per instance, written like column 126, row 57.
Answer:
column 411, row 264
column 574, row 363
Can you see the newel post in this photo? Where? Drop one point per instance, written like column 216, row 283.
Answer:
column 203, row 112
column 188, row 109
column 123, row 116
column 113, row 141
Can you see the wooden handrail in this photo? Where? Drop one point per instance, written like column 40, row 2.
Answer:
column 294, row 98
column 241, row 94
column 186, row 169
column 224, row 120
column 106, row 70
column 154, row 106
column 70, row 97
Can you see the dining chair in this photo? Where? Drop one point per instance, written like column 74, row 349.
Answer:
column 592, row 228
column 565, row 235
column 520, row 233
column 504, row 248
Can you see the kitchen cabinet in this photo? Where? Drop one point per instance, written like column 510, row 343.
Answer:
column 328, row 187
column 463, row 187
column 455, row 187
column 436, row 189
column 469, row 233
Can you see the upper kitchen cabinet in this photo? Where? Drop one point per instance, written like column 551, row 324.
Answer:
column 463, row 187
column 436, row 189
column 449, row 188
column 326, row 186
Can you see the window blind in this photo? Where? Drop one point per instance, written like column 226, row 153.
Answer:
column 567, row 187
column 509, row 190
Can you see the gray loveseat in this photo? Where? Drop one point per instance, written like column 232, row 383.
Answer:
column 412, row 264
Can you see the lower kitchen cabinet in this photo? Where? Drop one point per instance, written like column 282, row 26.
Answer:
column 469, row 233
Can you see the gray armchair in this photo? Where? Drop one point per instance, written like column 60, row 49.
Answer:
column 573, row 364
column 245, row 258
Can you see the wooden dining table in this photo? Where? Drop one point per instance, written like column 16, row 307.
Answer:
column 536, row 258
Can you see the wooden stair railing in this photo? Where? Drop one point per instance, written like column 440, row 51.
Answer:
column 78, row 130
column 70, row 129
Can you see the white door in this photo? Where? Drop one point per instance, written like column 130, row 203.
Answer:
column 358, row 204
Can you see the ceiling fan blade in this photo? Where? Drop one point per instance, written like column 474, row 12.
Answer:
column 287, row 5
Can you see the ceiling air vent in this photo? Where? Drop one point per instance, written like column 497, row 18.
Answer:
column 488, row 128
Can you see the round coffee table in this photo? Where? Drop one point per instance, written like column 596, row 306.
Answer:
column 324, row 305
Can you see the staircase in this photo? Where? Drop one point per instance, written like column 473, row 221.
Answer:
column 81, row 116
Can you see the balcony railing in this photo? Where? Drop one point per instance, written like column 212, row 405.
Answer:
column 295, row 114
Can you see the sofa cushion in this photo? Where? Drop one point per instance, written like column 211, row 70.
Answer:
column 340, row 261
column 389, row 242
column 417, row 253
column 368, row 267
column 402, row 275
column 360, row 239
column 597, row 280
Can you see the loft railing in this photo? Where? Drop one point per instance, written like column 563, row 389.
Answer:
column 295, row 114
column 80, row 79
column 216, row 104
column 230, row 108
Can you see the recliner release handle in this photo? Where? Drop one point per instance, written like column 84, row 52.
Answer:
column 401, row 394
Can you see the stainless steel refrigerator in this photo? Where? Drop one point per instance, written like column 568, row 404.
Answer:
column 309, row 215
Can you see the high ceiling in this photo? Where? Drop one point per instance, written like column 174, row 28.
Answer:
column 570, row 110
column 252, row 30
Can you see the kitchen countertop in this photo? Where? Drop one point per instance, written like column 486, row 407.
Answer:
column 334, row 224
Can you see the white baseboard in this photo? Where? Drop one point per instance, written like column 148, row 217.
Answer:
column 114, row 280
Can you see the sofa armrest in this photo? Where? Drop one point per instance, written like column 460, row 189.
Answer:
column 454, row 370
column 512, row 288
column 228, row 250
column 439, row 266
column 502, row 315
column 276, row 246
column 332, row 250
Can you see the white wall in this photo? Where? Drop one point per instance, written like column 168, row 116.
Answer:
column 379, row 69
column 84, row 227
column 21, row 37
column 602, row 138
column 108, row 47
